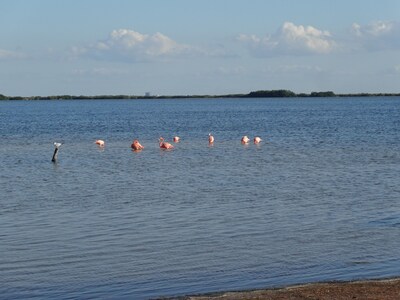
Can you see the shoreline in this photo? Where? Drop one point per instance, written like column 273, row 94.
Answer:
column 386, row 289
column 254, row 94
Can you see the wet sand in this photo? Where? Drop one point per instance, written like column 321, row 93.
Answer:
column 388, row 289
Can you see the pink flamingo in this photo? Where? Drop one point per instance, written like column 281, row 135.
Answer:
column 100, row 143
column 136, row 145
column 245, row 140
column 210, row 139
column 176, row 139
column 164, row 145
column 257, row 140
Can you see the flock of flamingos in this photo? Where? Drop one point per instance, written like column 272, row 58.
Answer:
column 136, row 146
column 165, row 145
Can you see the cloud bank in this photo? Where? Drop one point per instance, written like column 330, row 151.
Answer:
column 130, row 45
column 380, row 35
column 291, row 40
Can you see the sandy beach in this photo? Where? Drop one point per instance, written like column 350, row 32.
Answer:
column 388, row 289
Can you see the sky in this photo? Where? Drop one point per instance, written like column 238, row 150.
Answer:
column 198, row 47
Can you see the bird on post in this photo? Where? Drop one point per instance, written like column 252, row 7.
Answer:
column 55, row 154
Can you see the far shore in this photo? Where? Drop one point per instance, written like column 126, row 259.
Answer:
column 255, row 94
column 383, row 289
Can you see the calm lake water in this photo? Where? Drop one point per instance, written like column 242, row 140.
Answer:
column 317, row 200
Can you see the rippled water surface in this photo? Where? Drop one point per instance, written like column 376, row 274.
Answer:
column 317, row 200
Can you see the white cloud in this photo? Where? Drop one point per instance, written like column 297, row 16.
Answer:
column 130, row 45
column 291, row 40
column 374, row 29
column 380, row 35
column 6, row 55
column 127, row 41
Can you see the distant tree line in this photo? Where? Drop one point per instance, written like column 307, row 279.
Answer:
column 254, row 94
column 271, row 94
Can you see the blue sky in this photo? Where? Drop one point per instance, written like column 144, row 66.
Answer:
column 179, row 47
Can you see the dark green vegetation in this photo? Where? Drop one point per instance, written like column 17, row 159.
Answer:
column 255, row 94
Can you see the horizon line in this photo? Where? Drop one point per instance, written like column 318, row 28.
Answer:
column 280, row 93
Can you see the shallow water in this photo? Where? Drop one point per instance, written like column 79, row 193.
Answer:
column 317, row 200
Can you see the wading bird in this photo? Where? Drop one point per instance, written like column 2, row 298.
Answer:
column 245, row 140
column 257, row 140
column 100, row 143
column 176, row 139
column 164, row 145
column 210, row 139
column 136, row 145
